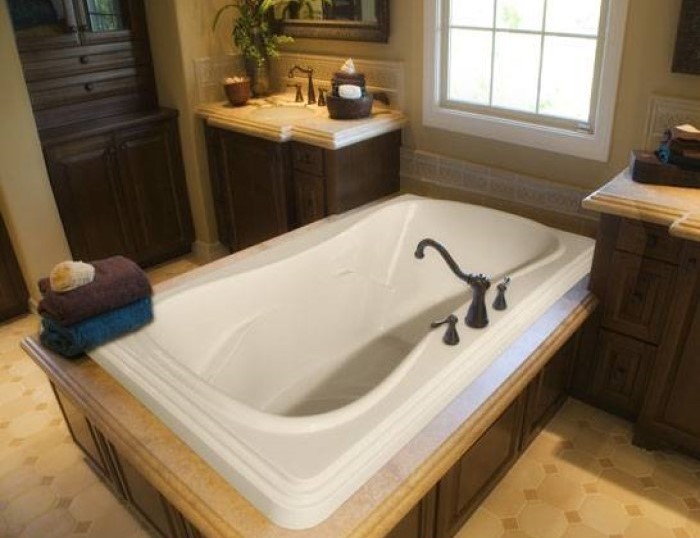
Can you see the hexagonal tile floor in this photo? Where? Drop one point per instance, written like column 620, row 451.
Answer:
column 581, row 477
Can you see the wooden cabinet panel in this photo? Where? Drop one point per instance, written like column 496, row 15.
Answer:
column 309, row 198
column 419, row 522
column 478, row 471
column 547, row 392
column 638, row 295
column 307, row 158
column 13, row 292
column 146, row 499
column 622, row 373
column 648, row 240
column 85, row 436
column 255, row 178
column 90, row 198
column 152, row 174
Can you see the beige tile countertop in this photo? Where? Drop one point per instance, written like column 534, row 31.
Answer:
column 675, row 207
column 312, row 125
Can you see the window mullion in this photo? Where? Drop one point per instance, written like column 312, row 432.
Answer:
column 539, row 74
column 493, row 49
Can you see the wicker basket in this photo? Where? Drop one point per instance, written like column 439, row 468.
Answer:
column 238, row 93
column 349, row 109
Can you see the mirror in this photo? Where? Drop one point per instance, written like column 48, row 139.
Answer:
column 350, row 20
column 105, row 15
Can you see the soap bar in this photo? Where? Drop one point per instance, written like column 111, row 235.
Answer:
column 348, row 91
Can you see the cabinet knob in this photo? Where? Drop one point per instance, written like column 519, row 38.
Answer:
column 84, row 59
column 89, row 87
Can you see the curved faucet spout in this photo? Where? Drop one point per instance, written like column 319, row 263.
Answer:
column 477, row 316
column 451, row 263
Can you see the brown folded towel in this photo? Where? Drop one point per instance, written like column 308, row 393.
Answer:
column 118, row 282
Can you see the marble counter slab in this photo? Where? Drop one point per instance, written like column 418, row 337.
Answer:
column 315, row 128
column 675, row 207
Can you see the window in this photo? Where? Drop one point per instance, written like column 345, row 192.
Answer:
column 539, row 73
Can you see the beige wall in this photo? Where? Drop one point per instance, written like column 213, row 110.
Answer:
column 647, row 56
column 26, row 200
column 180, row 32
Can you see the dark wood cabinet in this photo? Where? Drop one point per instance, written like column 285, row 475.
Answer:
column 419, row 522
column 13, row 291
column 262, row 188
column 122, row 191
column 670, row 415
column 641, row 357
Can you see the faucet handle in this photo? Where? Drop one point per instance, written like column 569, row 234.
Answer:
column 321, row 97
column 451, row 337
column 499, row 302
column 299, row 98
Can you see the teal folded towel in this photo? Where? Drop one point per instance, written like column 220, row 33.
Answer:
column 75, row 339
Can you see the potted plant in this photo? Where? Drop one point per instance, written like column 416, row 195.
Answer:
column 255, row 35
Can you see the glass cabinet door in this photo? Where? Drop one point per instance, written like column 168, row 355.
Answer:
column 44, row 23
column 109, row 20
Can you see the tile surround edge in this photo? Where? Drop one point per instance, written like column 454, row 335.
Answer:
column 494, row 182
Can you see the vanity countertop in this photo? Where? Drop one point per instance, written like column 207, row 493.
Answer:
column 312, row 126
column 675, row 207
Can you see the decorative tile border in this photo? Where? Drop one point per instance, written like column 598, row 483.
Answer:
column 665, row 112
column 493, row 182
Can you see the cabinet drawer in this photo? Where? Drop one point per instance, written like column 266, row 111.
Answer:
column 638, row 296
column 648, row 240
column 81, row 88
column 48, row 64
column 622, row 373
column 307, row 159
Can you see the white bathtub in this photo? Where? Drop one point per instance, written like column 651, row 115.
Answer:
column 298, row 371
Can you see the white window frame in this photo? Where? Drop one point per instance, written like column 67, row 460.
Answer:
column 593, row 145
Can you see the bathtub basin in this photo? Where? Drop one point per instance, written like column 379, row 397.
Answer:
column 298, row 371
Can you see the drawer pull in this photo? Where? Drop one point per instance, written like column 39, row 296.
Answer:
column 84, row 60
column 89, row 87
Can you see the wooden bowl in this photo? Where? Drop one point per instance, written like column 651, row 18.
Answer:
column 238, row 93
column 349, row 109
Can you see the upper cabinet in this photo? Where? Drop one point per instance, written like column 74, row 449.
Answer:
column 48, row 24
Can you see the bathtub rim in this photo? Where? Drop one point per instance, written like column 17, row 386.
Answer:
column 448, row 436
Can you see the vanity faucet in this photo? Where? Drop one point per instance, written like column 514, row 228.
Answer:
column 477, row 316
column 309, row 72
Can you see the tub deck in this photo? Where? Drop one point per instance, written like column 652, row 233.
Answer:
column 218, row 510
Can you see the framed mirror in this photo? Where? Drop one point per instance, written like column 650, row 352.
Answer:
column 349, row 20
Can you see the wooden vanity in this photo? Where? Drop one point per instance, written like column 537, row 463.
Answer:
column 641, row 356
column 269, row 177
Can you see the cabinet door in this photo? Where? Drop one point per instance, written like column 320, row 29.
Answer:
column 419, row 522
column 670, row 415
column 309, row 197
column 147, row 500
column 13, row 292
column 474, row 476
column 255, row 183
column 151, row 171
column 88, row 438
column 44, row 24
column 547, row 392
column 104, row 21
column 638, row 295
column 622, row 373
column 90, row 198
